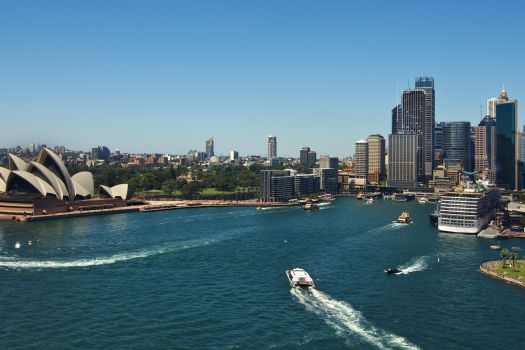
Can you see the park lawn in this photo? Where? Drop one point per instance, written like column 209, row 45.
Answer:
column 215, row 191
column 509, row 271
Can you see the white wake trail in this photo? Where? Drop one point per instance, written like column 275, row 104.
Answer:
column 347, row 321
column 105, row 260
column 418, row 264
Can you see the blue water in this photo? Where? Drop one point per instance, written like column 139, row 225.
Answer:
column 214, row 279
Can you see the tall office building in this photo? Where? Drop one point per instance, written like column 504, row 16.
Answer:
column 485, row 147
column 361, row 159
column 100, row 153
column 328, row 170
column 438, row 143
column 234, row 156
column 427, row 85
column 456, row 143
column 507, row 144
column 209, row 148
column 272, row 146
column 521, row 145
column 396, row 119
column 307, row 157
column 492, row 102
column 413, row 121
column 402, row 160
column 376, row 158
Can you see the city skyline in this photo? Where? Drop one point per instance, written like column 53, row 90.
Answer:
column 176, row 73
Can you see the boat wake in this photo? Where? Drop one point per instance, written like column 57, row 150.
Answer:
column 389, row 227
column 11, row 263
column 418, row 264
column 347, row 321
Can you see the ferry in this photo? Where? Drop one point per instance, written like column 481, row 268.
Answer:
column 404, row 218
column 299, row 278
column 468, row 210
column 310, row 206
column 403, row 197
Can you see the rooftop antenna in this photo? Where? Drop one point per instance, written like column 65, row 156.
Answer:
column 481, row 111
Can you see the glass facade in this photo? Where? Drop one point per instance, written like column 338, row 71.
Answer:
column 456, row 143
column 506, row 132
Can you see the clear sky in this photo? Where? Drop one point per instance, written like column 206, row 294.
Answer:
column 162, row 76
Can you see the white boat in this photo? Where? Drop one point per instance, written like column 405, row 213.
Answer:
column 299, row 278
column 422, row 200
column 370, row 201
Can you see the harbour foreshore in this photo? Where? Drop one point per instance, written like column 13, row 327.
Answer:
column 488, row 269
column 148, row 206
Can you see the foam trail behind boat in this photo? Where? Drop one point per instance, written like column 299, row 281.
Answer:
column 418, row 264
column 347, row 321
column 11, row 263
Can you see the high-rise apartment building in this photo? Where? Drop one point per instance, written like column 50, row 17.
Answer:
column 456, row 143
column 209, row 148
column 402, row 160
column 376, row 158
column 328, row 162
column 272, row 146
column 485, row 148
column 427, row 85
column 507, row 144
column 361, row 159
column 307, row 157
column 276, row 186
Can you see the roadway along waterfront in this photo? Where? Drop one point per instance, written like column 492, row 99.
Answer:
column 213, row 278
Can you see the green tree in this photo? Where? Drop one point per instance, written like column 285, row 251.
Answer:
column 514, row 255
column 505, row 255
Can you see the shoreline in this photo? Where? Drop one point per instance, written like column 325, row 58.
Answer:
column 149, row 206
column 487, row 269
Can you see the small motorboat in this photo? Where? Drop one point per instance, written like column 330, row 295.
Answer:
column 495, row 247
column 370, row 201
column 422, row 200
column 404, row 218
column 393, row 271
column 299, row 278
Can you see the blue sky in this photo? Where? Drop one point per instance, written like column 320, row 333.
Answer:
column 162, row 76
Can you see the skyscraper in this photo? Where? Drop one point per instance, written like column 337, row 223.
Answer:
column 376, row 158
column 307, row 157
column 272, row 146
column 361, row 159
column 413, row 121
column 507, row 145
column 209, row 148
column 402, row 160
column 456, row 143
column 485, row 147
column 492, row 102
column 396, row 119
column 427, row 85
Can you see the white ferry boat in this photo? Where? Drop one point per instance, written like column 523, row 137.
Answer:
column 299, row 278
column 467, row 210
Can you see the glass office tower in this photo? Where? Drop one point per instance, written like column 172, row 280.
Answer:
column 507, row 147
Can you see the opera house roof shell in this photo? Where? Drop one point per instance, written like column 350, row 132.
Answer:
column 48, row 176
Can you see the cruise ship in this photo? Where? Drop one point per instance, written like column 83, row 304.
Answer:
column 468, row 210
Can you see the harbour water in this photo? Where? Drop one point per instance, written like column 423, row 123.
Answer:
column 214, row 279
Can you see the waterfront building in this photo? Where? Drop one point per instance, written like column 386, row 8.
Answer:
column 307, row 157
column 276, row 186
column 507, row 145
column 456, row 143
column 272, row 146
column 427, row 85
column 361, row 159
column 402, row 160
column 485, row 148
column 376, row 159
column 493, row 102
column 209, row 148
column 468, row 210
column 328, row 179
column 306, row 184
column 328, row 162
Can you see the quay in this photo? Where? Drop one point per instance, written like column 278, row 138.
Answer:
column 488, row 269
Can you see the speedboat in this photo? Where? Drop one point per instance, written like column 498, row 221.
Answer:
column 495, row 247
column 299, row 278
column 422, row 200
column 404, row 218
column 370, row 201
column 393, row 271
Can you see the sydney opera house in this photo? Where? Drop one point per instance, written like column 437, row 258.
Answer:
column 45, row 187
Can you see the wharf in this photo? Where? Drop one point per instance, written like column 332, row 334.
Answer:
column 512, row 234
column 71, row 214
column 490, row 232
